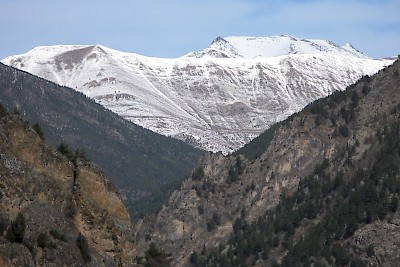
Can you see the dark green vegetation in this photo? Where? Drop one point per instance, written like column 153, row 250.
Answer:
column 136, row 160
column 38, row 129
column 152, row 203
column 42, row 240
column 16, row 231
column 316, row 224
column 83, row 247
column 156, row 257
column 72, row 156
column 258, row 145
column 57, row 235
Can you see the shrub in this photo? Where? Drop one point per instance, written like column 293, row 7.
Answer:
column 3, row 111
column 194, row 258
column 345, row 113
column 70, row 208
column 354, row 99
column 370, row 251
column 200, row 208
column 232, row 175
column 239, row 166
column 344, row 131
column 3, row 224
column 63, row 149
column 198, row 174
column 83, row 246
column 365, row 89
column 394, row 204
column 210, row 226
column 16, row 231
column 156, row 257
column 72, row 156
column 79, row 154
column 214, row 222
column 216, row 218
column 58, row 235
column 36, row 127
column 42, row 240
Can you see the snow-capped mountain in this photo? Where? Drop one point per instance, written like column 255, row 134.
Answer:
column 219, row 98
column 252, row 47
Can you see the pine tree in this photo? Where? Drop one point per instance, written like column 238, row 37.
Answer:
column 36, row 127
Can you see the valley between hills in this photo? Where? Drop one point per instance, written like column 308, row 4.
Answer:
column 272, row 151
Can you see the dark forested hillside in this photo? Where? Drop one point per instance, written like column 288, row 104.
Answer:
column 137, row 160
column 322, row 188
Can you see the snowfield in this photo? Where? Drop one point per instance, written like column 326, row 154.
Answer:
column 218, row 98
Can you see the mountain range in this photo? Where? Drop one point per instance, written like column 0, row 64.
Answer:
column 217, row 99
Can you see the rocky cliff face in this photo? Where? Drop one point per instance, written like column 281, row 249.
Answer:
column 53, row 213
column 343, row 130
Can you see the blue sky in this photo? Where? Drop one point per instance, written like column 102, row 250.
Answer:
column 173, row 28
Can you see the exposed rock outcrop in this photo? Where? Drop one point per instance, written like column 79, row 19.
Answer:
column 69, row 215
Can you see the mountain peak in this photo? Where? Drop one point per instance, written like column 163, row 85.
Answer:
column 272, row 46
column 218, row 39
column 349, row 47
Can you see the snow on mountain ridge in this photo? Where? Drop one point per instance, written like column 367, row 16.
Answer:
column 252, row 47
column 216, row 103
